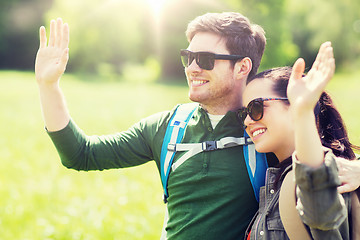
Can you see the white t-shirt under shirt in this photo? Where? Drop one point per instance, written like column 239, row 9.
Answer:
column 215, row 119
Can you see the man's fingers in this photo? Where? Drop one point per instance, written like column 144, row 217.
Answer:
column 52, row 34
column 59, row 34
column 346, row 188
column 64, row 59
column 65, row 36
column 59, row 27
column 42, row 33
column 342, row 188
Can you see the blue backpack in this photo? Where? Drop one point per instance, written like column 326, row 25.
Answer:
column 256, row 163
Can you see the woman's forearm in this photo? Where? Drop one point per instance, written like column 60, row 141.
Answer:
column 308, row 145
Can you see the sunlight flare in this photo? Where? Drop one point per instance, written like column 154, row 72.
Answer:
column 156, row 6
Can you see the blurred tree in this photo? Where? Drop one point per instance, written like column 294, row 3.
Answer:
column 19, row 23
column 271, row 15
column 314, row 22
column 101, row 32
column 107, row 37
column 118, row 33
column 114, row 33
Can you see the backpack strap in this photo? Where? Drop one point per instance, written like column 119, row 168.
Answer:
column 290, row 218
column 174, row 134
column 256, row 164
column 195, row 148
column 355, row 214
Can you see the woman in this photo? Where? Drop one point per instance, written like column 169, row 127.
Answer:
column 286, row 113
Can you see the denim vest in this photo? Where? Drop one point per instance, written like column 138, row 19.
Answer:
column 320, row 183
column 267, row 224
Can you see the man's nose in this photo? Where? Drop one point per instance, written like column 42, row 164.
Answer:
column 193, row 66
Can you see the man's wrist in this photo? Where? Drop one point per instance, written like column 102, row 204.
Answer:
column 49, row 86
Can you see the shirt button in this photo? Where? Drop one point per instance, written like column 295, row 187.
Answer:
column 209, row 129
column 205, row 165
column 272, row 191
column 261, row 233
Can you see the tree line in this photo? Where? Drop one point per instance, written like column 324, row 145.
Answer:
column 115, row 37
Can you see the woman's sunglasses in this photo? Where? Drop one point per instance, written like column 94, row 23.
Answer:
column 204, row 60
column 255, row 108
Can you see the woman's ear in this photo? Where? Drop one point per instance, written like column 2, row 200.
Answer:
column 243, row 68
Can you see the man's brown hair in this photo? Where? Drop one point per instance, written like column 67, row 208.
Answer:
column 241, row 37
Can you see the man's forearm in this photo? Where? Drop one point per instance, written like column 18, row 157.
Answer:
column 55, row 113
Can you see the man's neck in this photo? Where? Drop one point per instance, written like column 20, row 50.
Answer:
column 219, row 110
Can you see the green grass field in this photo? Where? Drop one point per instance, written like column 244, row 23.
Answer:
column 40, row 199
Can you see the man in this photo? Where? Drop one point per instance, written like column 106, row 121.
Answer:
column 210, row 195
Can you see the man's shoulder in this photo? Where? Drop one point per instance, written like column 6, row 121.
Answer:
column 184, row 108
column 161, row 118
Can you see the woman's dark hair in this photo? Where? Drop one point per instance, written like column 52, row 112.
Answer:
column 331, row 127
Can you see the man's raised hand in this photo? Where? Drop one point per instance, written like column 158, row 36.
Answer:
column 52, row 57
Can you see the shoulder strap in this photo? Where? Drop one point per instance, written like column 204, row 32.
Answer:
column 290, row 218
column 355, row 215
column 174, row 134
column 192, row 149
column 256, row 164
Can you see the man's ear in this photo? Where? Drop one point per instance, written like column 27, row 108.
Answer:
column 243, row 68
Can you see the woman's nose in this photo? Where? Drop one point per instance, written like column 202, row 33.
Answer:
column 248, row 120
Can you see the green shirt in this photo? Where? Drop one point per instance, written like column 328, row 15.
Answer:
column 210, row 194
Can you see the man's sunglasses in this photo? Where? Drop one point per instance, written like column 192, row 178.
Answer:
column 255, row 108
column 204, row 60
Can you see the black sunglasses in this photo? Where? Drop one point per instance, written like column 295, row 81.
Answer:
column 255, row 108
column 204, row 60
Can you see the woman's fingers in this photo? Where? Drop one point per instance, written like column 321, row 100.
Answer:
column 298, row 69
column 321, row 56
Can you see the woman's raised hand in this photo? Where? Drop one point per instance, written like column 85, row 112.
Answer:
column 304, row 91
